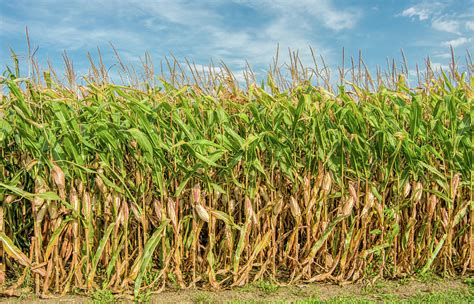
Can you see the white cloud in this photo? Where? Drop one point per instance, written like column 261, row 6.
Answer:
column 178, row 12
column 290, row 26
column 192, row 29
column 436, row 13
column 437, row 66
column 457, row 42
column 240, row 76
column 442, row 55
column 450, row 26
column 323, row 10
column 440, row 15
column 423, row 13
column 9, row 26
column 470, row 25
column 74, row 38
column 445, row 19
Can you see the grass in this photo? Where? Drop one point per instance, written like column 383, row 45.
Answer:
column 446, row 291
column 193, row 181
column 202, row 298
column 454, row 296
column 451, row 296
column 103, row 297
column 267, row 286
column 434, row 298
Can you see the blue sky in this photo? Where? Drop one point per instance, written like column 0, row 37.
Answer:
column 239, row 30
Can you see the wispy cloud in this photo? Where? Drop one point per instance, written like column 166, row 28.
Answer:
column 322, row 10
column 177, row 11
column 286, row 24
column 457, row 42
column 199, row 30
column 421, row 11
column 449, row 26
column 440, row 15
column 470, row 25
column 233, row 31
column 438, row 66
column 443, row 55
column 9, row 26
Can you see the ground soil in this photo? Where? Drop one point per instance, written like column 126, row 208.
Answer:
column 380, row 291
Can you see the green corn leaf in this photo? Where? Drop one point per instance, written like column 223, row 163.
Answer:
column 147, row 255
column 98, row 254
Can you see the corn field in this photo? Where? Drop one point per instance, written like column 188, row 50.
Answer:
column 194, row 181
